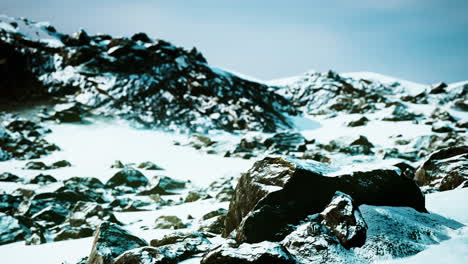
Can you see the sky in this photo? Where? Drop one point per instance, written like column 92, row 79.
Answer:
column 419, row 40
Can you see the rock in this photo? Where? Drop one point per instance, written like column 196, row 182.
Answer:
column 286, row 141
column 169, row 222
column 90, row 214
column 128, row 177
column 148, row 165
column 164, row 185
column 132, row 205
column 11, row 230
column 9, row 177
column 362, row 141
column 183, row 245
column 343, row 218
column 117, row 165
column 110, row 241
column 438, row 88
column 406, row 169
column 9, row 203
column 141, row 37
column 444, row 169
column 70, row 232
column 260, row 253
column 400, row 113
column 42, row 179
column 36, row 238
column 213, row 225
column 193, row 196
column 36, row 165
column 91, row 188
column 72, row 112
column 220, row 211
column 360, row 122
column 441, row 127
column 145, row 255
column 277, row 192
column 60, row 164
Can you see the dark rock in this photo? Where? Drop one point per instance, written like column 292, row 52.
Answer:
column 117, row 165
column 141, row 37
column 131, row 204
column 90, row 214
column 360, row 122
column 285, row 141
column 43, row 179
column 343, row 218
column 35, row 238
column 406, row 169
column 11, row 230
column 70, row 232
column 220, row 211
column 164, row 185
column 445, row 169
column 110, row 241
column 9, row 203
column 213, row 225
column 36, row 165
column 169, row 222
column 67, row 113
column 183, row 245
column 129, row 178
column 193, row 196
column 400, row 113
column 60, row 164
column 9, row 177
column 260, row 253
column 362, row 141
column 442, row 127
column 276, row 192
column 148, row 165
column 438, row 88
column 146, row 255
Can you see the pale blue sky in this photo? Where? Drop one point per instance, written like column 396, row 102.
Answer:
column 418, row 40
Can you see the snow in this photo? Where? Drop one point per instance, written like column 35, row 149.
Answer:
column 411, row 87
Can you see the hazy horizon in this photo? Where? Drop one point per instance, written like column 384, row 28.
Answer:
column 418, row 40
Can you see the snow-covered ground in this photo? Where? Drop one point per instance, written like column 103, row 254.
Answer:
column 93, row 148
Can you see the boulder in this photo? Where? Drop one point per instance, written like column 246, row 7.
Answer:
column 9, row 177
column 260, row 253
column 146, row 255
column 286, row 141
column 193, row 196
column 42, row 179
column 9, row 203
column 213, row 225
column 70, row 232
column 36, row 165
column 277, row 192
column 164, row 185
column 444, row 169
column 11, row 230
column 129, row 178
column 183, row 245
column 359, row 122
column 60, row 164
column 110, row 241
column 90, row 214
column 117, row 165
column 343, row 218
column 148, row 165
column 169, row 222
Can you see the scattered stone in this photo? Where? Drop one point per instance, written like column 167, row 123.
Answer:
column 260, row 253
column 36, row 165
column 11, row 230
column 148, row 165
column 445, row 169
column 70, row 232
column 128, row 177
column 110, row 241
column 195, row 196
column 285, row 191
column 360, row 122
column 163, row 185
column 169, row 222
column 9, row 177
column 42, row 179
column 117, row 165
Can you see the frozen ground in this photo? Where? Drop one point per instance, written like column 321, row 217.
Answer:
column 93, row 148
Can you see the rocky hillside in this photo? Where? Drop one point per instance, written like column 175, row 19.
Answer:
column 149, row 81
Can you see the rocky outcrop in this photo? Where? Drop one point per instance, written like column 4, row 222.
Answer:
column 278, row 192
column 445, row 169
column 260, row 253
column 110, row 241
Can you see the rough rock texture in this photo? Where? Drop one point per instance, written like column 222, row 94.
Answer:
column 11, row 230
column 276, row 192
column 183, row 245
column 260, row 253
column 145, row 255
column 111, row 240
column 445, row 169
column 151, row 82
column 345, row 221
column 129, row 178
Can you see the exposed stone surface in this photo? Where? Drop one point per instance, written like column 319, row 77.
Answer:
column 277, row 192
column 110, row 241
column 445, row 169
